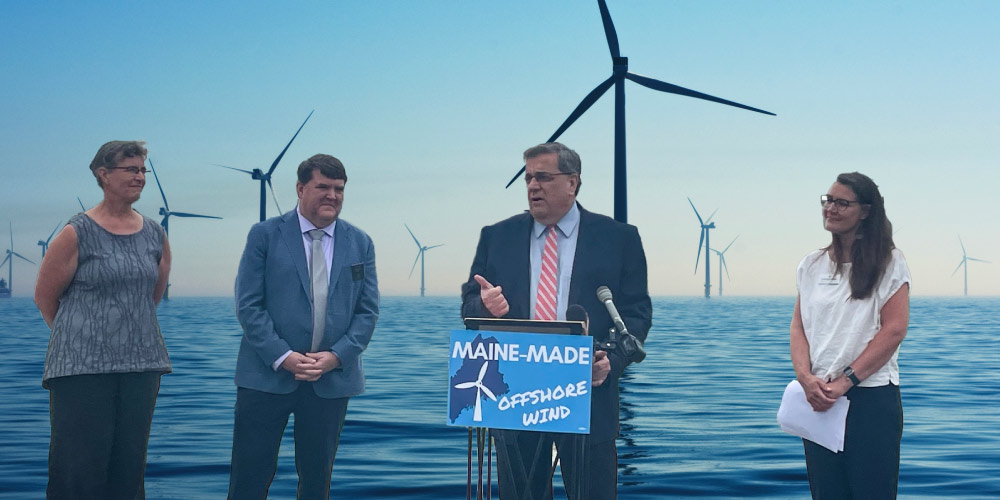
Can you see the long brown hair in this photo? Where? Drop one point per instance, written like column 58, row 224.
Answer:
column 871, row 252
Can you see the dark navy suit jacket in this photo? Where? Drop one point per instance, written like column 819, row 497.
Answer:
column 274, row 307
column 608, row 253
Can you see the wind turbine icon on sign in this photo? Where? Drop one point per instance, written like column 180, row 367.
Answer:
column 477, row 415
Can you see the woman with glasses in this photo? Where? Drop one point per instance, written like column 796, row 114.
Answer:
column 849, row 319
column 98, row 287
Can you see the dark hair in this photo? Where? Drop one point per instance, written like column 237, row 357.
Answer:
column 115, row 151
column 871, row 251
column 569, row 161
column 326, row 164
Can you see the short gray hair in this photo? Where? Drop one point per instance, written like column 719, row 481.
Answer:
column 569, row 161
column 115, row 151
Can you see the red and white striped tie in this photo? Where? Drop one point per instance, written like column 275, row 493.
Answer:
column 545, row 300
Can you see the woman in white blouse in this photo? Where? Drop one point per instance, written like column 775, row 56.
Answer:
column 849, row 319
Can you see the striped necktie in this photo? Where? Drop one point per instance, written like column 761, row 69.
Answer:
column 545, row 300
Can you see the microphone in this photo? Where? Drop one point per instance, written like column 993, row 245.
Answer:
column 630, row 345
column 576, row 312
column 604, row 295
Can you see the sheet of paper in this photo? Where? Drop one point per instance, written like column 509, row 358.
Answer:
column 825, row 428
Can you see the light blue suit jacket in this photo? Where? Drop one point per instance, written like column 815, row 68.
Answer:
column 274, row 307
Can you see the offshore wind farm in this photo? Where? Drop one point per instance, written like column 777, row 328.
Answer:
column 420, row 138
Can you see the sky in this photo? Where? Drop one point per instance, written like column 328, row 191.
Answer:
column 430, row 105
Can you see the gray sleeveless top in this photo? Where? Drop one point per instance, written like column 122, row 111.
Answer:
column 106, row 322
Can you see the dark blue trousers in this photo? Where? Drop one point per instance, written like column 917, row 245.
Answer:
column 260, row 421
column 868, row 468
column 524, row 465
column 100, row 430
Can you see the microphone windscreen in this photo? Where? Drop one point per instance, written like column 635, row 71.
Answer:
column 603, row 294
column 576, row 312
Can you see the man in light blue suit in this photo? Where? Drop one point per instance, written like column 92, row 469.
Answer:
column 287, row 364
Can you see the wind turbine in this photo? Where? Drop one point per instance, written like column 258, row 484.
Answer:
column 420, row 257
column 45, row 244
column 722, row 262
column 265, row 178
column 477, row 414
column 9, row 260
column 705, row 226
column 963, row 263
column 166, row 213
column 619, row 73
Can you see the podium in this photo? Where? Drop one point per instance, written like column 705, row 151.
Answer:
column 523, row 375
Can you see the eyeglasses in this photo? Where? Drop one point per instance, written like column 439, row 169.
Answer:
column 827, row 201
column 543, row 177
column 132, row 170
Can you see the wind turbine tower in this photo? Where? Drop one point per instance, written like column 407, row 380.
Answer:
column 620, row 73
column 265, row 177
column 964, row 263
column 9, row 260
column 706, row 225
column 166, row 213
column 722, row 262
column 420, row 256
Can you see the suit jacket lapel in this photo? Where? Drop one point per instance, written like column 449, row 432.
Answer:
column 340, row 250
column 582, row 259
column 291, row 234
column 520, row 259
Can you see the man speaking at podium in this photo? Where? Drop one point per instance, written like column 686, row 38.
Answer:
column 534, row 266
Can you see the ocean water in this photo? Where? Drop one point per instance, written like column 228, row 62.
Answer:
column 698, row 415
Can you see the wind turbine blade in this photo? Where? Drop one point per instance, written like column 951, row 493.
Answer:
column 273, row 196
column 731, row 243
column 276, row 160
column 963, row 245
column 414, row 264
column 709, row 219
column 980, row 260
column 435, row 246
column 165, row 205
column 185, row 214
column 465, row 385
column 609, row 29
column 482, row 373
column 22, row 257
column 724, row 266
column 674, row 89
column 488, row 392
column 698, row 257
column 83, row 208
column 11, row 226
column 164, row 221
column 233, row 168
column 412, row 236
column 696, row 212
column 5, row 259
column 959, row 266
column 581, row 108
column 53, row 233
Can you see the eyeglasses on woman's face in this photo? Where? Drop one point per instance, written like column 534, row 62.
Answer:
column 829, row 202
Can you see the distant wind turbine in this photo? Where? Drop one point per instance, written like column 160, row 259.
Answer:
column 9, row 260
column 619, row 73
column 965, row 263
column 420, row 256
column 166, row 213
column 477, row 414
column 45, row 243
column 722, row 262
column 706, row 225
column 265, row 178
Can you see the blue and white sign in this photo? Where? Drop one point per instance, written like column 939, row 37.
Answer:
column 520, row 381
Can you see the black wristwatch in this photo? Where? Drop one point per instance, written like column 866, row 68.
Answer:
column 849, row 373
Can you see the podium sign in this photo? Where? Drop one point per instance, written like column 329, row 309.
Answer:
column 520, row 381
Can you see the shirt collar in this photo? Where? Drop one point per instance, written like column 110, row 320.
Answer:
column 567, row 225
column 307, row 226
